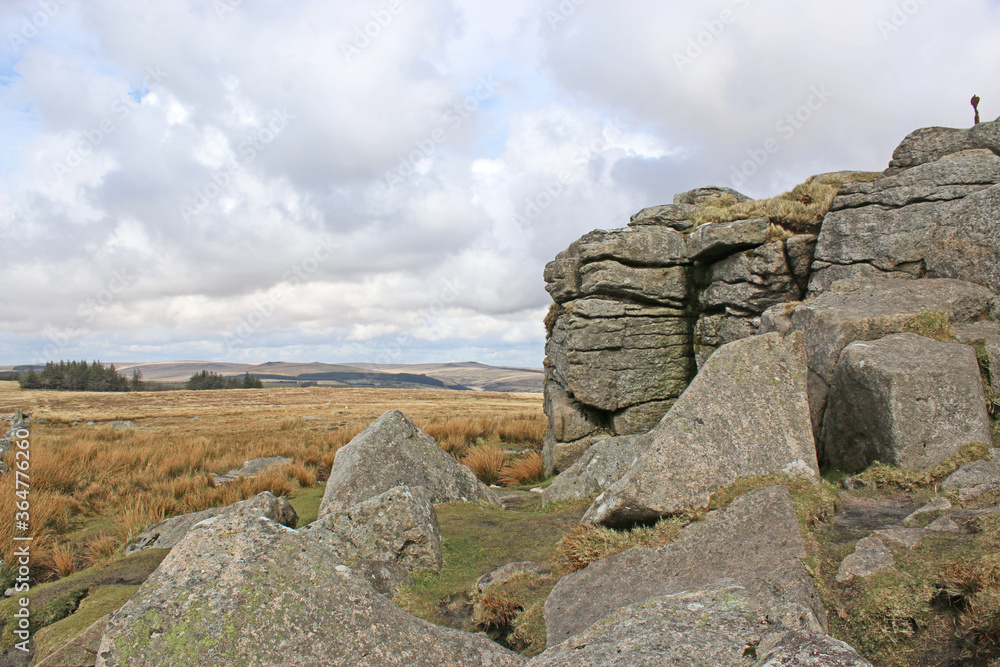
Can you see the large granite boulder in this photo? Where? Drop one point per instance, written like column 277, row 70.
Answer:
column 601, row 466
column 929, row 144
column 866, row 310
column 905, row 400
column 745, row 414
column 247, row 591
column 935, row 220
column 398, row 526
column 755, row 541
column 393, row 452
column 167, row 533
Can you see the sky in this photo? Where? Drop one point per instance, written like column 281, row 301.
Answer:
column 384, row 181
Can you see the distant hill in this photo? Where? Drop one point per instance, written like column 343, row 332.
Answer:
column 467, row 376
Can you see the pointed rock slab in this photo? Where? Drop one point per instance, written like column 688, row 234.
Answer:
column 393, row 452
column 601, row 466
column 398, row 526
column 247, row 591
column 755, row 541
column 745, row 414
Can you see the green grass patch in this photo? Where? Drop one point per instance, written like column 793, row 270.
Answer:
column 932, row 324
column 306, row 501
column 103, row 600
column 477, row 539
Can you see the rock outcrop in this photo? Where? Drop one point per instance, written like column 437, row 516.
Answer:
column 755, row 541
column 906, row 400
column 393, row 452
column 167, row 533
column 745, row 414
column 247, row 591
column 637, row 309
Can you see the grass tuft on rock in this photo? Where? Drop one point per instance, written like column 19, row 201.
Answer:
column 891, row 478
column 800, row 210
column 931, row 324
column 583, row 545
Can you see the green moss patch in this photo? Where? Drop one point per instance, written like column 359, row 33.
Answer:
column 306, row 502
column 103, row 600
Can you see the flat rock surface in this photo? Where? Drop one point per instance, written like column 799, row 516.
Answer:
column 241, row 591
column 393, row 452
column 755, row 540
column 745, row 414
column 869, row 556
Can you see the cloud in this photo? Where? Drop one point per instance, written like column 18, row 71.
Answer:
column 385, row 180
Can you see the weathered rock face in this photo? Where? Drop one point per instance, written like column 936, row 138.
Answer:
column 398, row 526
column 905, row 400
column 934, row 220
column 167, row 533
column 755, row 541
column 801, row 648
column 81, row 651
column 247, row 591
column 638, row 309
column 393, row 452
column 930, row 144
column 745, row 414
column 868, row 310
column 598, row 468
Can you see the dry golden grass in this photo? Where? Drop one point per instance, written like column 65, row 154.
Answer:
column 9, row 385
column 63, row 560
column 526, row 469
column 95, row 487
column 800, row 210
column 486, row 461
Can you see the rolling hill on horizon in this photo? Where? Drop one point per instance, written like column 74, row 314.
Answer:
column 463, row 376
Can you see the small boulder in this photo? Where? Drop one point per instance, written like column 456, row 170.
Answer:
column 393, row 452
column 745, row 414
column 398, row 526
column 870, row 556
column 801, row 648
column 248, row 591
column 709, row 194
column 167, row 533
column 905, row 400
column 975, row 473
column 251, row 469
column 675, row 216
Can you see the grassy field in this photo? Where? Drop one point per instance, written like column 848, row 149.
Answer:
column 106, row 465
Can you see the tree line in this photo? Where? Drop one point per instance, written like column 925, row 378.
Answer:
column 95, row 376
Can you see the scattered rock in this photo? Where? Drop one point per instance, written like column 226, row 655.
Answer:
column 939, row 504
column 908, row 537
column 81, row 651
column 251, row 469
column 870, row 556
column 397, row 526
column 121, row 425
column 944, row 524
column 393, row 452
column 755, row 540
column 745, row 414
column 975, row 473
column 241, row 591
column 906, row 400
column 167, row 533
column 602, row 465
